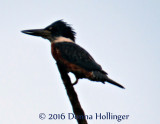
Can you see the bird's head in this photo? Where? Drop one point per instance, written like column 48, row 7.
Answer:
column 58, row 29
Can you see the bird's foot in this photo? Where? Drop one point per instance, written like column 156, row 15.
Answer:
column 75, row 82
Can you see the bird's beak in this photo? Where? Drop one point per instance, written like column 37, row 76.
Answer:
column 38, row 32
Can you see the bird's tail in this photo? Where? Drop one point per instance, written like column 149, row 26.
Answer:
column 102, row 76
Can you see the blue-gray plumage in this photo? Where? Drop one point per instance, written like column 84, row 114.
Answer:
column 77, row 55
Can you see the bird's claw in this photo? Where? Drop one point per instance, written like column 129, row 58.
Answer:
column 75, row 82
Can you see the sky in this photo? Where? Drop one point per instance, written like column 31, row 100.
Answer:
column 122, row 36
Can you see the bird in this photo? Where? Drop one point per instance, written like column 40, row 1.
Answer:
column 72, row 56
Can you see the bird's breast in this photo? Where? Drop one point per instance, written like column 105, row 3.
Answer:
column 55, row 52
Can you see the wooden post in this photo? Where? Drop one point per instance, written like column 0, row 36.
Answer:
column 77, row 109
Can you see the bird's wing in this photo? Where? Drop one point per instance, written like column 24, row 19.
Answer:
column 75, row 54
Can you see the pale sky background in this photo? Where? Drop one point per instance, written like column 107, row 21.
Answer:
column 122, row 35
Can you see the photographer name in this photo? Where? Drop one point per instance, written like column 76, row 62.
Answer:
column 97, row 116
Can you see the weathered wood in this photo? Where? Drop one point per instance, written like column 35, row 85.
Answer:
column 77, row 109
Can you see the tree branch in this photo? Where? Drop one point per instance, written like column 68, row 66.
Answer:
column 77, row 109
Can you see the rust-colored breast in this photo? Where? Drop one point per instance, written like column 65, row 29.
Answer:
column 77, row 70
column 55, row 52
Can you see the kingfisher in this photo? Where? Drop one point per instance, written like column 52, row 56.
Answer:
column 73, row 57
